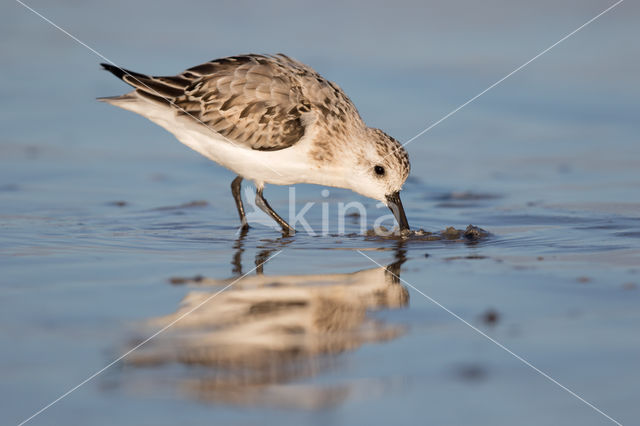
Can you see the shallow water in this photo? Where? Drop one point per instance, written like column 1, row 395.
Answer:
column 110, row 229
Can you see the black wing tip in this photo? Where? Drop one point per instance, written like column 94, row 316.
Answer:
column 117, row 71
column 121, row 73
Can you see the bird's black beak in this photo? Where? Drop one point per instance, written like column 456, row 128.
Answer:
column 395, row 204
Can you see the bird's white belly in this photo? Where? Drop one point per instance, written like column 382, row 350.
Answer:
column 282, row 167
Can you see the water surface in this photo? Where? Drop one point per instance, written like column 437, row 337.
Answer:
column 110, row 229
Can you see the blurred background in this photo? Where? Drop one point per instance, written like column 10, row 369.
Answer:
column 101, row 211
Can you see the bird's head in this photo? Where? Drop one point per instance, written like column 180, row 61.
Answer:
column 380, row 170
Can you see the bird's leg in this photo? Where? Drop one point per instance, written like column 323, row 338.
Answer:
column 265, row 207
column 236, row 185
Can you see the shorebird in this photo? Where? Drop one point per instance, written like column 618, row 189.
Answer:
column 272, row 120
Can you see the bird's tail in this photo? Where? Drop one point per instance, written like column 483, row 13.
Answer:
column 159, row 89
column 120, row 101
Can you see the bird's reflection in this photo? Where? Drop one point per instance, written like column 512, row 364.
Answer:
column 248, row 344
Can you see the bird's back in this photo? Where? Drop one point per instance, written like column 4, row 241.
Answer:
column 262, row 102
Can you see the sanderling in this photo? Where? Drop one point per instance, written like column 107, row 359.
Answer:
column 271, row 119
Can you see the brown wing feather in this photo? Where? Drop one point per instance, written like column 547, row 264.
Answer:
column 263, row 102
column 252, row 100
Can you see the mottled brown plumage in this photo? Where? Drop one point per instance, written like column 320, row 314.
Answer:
column 263, row 102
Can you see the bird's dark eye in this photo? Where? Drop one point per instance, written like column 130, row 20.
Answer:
column 379, row 170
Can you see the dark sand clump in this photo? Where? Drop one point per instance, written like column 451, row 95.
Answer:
column 470, row 234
